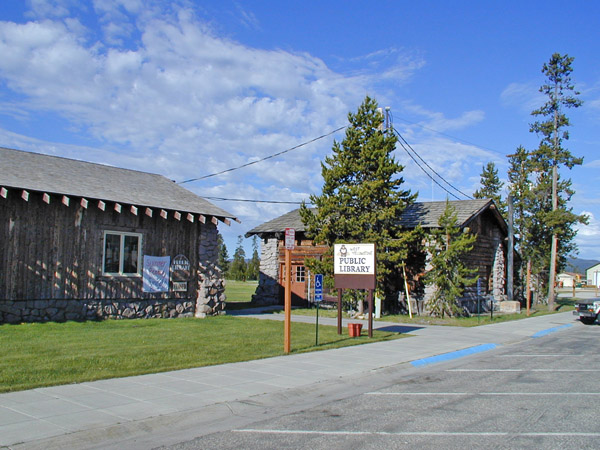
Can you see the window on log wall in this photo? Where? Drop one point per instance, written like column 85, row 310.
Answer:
column 122, row 254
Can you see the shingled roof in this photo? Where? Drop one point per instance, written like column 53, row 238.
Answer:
column 426, row 214
column 69, row 177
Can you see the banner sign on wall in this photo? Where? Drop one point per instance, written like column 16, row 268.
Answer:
column 156, row 273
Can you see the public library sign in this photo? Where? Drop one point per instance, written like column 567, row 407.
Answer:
column 354, row 266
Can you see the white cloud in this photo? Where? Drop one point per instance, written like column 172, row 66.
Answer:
column 525, row 96
column 51, row 8
column 451, row 160
column 247, row 18
column 588, row 237
column 592, row 164
column 160, row 91
column 438, row 122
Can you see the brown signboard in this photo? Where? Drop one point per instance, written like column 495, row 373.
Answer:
column 354, row 266
column 180, row 268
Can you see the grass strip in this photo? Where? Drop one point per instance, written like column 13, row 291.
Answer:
column 48, row 354
column 563, row 304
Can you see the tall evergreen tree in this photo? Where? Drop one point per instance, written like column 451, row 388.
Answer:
column 238, row 268
column 519, row 188
column 254, row 263
column 362, row 199
column 491, row 186
column 556, row 225
column 223, row 261
column 448, row 274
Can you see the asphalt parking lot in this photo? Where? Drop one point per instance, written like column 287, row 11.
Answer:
column 539, row 393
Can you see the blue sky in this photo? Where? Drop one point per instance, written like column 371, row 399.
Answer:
column 187, row 88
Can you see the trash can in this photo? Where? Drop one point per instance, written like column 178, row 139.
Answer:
column 354, row 329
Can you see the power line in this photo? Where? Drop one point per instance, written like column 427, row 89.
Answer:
column 452, row 137
column 403, row 141
column 265, row 158
column 427, row 173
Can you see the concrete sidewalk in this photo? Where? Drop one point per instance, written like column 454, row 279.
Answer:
column 30, row 416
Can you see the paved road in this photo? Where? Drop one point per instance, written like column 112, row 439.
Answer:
column 537, row 394
column 168, row 408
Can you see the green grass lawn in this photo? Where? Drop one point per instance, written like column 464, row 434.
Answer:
column 239, row 291
column 46, row 354
column 239, row 294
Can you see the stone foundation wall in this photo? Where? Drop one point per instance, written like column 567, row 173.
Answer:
column 267, row 292
column 499, row 271
column 62, row 310
column 211, row 285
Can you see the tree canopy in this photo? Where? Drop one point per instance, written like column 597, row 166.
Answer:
column 362, row 197
column 491, row 186
column 551, row 221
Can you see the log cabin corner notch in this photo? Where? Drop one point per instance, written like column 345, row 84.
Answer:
column 73, row 235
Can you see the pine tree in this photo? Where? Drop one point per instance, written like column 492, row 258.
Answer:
column 448, row 274
column 362, row 199
column 523, row 206
column 556, row 220
column 254, row 263
column 491, row 187
column 520, row 189
column 238, row 268
column 223, row 261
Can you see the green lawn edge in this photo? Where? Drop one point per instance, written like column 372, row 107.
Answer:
column 48, row 354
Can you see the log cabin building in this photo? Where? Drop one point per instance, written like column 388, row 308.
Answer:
column 480, row 216
column 85, row 241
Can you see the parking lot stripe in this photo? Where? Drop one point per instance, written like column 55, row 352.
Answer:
column 482, row 393
column 523, row 370
column 419, row 433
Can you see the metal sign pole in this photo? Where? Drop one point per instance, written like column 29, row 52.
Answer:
column 318, row 298
column 339, row 315
column 288, row 301
column 290, row 238
column 370, row 313
column 317, row 327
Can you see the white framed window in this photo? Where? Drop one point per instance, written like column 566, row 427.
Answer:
column 122, row 253
column 300, row 274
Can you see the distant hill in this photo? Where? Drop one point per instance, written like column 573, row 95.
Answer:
column 579, row 265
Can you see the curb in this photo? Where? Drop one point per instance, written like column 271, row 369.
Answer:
column 453, row 355
column 551, row 330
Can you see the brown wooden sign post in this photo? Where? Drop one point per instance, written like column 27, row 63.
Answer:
column 354, row 268
column 290, row 242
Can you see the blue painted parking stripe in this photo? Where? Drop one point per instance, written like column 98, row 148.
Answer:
column 453, row 355
column 551, row 330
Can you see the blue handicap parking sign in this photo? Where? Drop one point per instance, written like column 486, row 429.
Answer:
column 318, row 287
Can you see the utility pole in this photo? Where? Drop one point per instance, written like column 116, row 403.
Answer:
column 554, row 247
column 509, row 259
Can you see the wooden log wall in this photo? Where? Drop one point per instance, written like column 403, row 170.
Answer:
column 52, row 249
